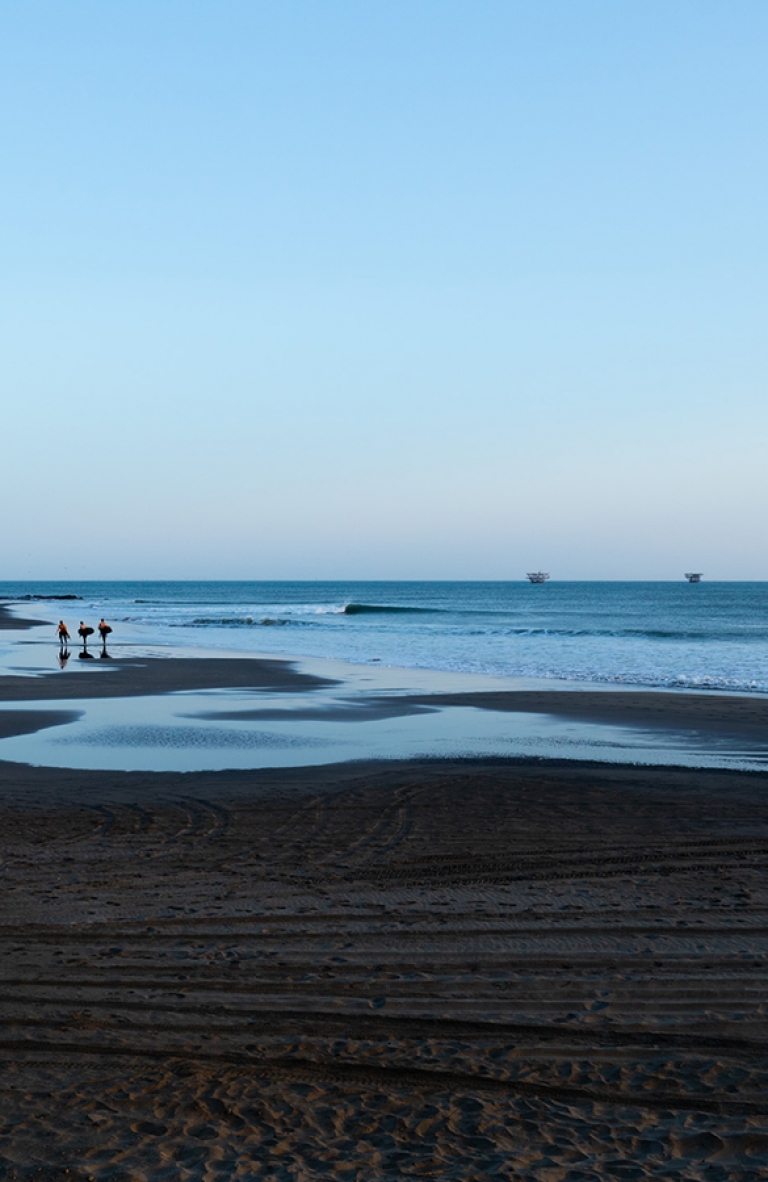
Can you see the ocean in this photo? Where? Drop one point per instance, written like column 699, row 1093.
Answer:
column 710, row 635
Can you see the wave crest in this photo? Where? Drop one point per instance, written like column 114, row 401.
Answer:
column 361, row 609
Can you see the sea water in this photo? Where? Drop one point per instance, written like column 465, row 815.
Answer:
column 710, row 635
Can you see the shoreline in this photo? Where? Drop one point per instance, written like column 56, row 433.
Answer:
column 729, row 675
column 727, row 715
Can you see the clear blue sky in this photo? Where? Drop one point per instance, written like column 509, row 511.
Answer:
column 383, row 289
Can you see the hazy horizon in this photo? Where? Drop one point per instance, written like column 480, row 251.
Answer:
column 341, row 581
column 444, row 291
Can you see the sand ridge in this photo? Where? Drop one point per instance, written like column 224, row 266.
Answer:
column 714, row 713
column 126, row 677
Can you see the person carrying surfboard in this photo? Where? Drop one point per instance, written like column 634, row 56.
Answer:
column 63, row 634
column 84, row 631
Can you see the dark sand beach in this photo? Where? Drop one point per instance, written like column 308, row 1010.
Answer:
column 462, row 969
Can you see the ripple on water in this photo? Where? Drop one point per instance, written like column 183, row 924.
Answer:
column 186, row 737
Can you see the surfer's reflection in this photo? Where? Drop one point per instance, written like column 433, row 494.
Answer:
column 104, row 655
column 85, row 655
column 64, row 655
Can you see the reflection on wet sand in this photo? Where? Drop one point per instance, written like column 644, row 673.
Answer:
column 186, row 713
column 221, row 729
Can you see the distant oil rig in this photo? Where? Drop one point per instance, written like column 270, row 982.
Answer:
column 541, row 576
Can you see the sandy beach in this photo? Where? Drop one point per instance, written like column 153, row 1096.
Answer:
column 387, row 971
column 460, row 969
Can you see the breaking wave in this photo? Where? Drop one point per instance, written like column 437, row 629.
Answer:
column 363, row 609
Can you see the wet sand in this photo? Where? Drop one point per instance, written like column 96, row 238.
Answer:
column 133, row 676
column 455, row 970
column 12, row 623
column 724, row 715
column 27, row 722
column 729, row 716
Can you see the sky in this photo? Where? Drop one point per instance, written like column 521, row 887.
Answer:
column 383, row 289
